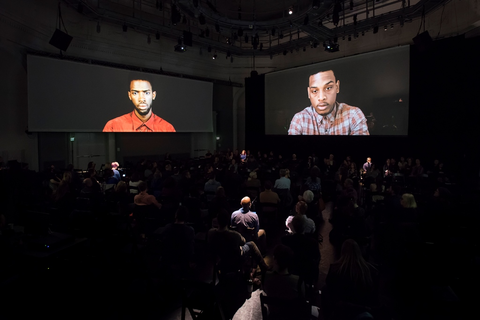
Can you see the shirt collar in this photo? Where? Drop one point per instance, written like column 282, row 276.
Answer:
column 137, row 123
column 328, row 117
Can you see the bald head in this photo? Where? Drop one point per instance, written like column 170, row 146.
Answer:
column 245, row 203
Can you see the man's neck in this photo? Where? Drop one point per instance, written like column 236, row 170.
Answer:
column 143, row 118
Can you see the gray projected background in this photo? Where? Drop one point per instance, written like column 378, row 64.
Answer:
column 66, row 96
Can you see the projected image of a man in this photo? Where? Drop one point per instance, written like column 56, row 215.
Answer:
column 326, row 116
column 142, row 119
column 142, row 96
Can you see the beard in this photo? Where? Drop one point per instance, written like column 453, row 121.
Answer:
column 143, row 112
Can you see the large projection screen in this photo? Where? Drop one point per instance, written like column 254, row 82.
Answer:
column 376, row 82
column 67, row 96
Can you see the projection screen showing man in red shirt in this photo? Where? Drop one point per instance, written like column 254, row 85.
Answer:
column 142, row 118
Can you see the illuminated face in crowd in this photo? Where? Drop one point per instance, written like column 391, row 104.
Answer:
column 142, row 96
column 322, row 91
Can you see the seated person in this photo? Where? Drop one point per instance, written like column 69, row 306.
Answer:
column 269, row 196
column 145, row 199
column 211, row 186
column 315, row 206
column 306, row 252
column 178, row 240
column 301, row 210
column 231, row 247
column 351, row 283
column 134, row 182
column 116, row 173
column 253, row 181
column 284, row 181
column 282, row 285
column 246, row 219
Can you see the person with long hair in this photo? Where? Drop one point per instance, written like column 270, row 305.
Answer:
column 351, row 285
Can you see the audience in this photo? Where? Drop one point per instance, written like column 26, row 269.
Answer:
column 410, row 213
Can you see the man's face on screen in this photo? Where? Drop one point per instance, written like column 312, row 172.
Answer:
column 322, row 91
column 142, row 96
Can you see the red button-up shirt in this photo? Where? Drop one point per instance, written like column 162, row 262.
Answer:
column 130, row 123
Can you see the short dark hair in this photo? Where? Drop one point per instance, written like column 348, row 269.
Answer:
column 268, row 185
column 181, row 214
column 142, row 186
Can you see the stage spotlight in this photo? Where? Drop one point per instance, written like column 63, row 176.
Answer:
column 124, row 27
column 98, row 27
column 179, row 47
column 385, row 28
column 331, row 46
column 290, row 10
column 375, row 29
column 214, row 56
column 157, row 35
column 316, row 4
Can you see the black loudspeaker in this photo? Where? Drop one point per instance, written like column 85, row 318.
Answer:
column 60, row 40
column 423, row 41
column 187, row 38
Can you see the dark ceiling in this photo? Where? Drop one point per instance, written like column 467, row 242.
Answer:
column 249, row 27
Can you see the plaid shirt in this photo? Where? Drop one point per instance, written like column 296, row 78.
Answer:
column 343, row 120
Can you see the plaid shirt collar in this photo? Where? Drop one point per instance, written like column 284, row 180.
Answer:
column 329, row 117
